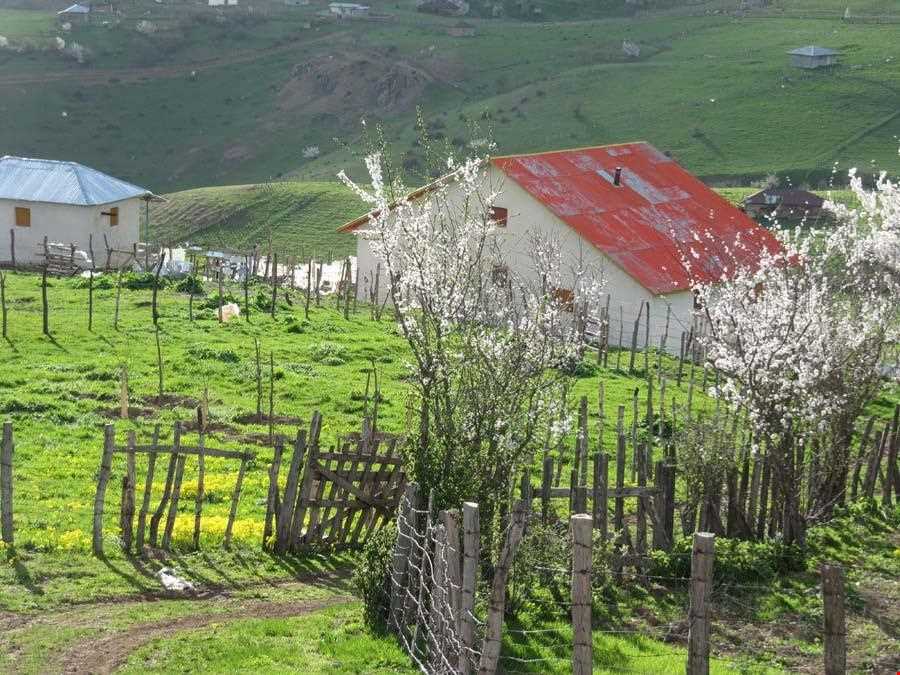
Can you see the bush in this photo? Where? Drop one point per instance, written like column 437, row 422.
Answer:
column 212, row 301
column 205, row 353
column 372, row 577
column 102, row 282
column 136, row 281
column 190, row 284
column 329, row 353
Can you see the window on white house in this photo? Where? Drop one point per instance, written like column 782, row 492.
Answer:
column 499, row 215
column 23, row 216
column 113, row 215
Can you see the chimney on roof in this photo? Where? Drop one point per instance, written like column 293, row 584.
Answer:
column 617, row 179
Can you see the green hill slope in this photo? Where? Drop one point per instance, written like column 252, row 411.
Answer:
column 209, row 97
column 300, row 217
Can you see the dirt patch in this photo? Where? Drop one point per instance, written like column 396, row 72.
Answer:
column 345, row 81
column 211, row 427
column 133, row 412
column 237, row 152
column 253, row 418
column 106, row 654
column 170, row 401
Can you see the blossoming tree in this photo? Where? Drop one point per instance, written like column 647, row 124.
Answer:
column 490, row 345
column 800, row 338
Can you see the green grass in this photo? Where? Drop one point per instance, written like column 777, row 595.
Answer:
column 302, row 218
column 713, row 89
column 60, row 392
column 330, row 641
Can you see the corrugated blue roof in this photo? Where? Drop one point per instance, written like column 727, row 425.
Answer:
column 76, row 9
column 813, row 50
column 56, row 182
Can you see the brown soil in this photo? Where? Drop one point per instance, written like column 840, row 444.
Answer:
column 133, row 412
column 171, row 401
column 253, row 418
column 87, row 76
column 108, row 653
column 347, row 81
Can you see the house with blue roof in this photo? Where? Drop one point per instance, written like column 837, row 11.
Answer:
column 67, row 203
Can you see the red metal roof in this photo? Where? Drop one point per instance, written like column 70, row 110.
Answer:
column 647, row 224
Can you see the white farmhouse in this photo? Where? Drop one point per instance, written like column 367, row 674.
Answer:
column 348, row 10
column 222, row 3
column 628, row 210
column 67, row 203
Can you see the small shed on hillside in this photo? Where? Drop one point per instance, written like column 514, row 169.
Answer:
column 812, row 57
column 76, row 12
column 348, row 10
column 68, row 203
column 786, row 203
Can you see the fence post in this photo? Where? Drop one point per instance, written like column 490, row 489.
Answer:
column 601, row 494
column 6, row 453
column 126, row 508
column 490, row 652
column 148, row 489
column 546, row 485
column 401, row 554
column 109, row 443
column 471, row 554
column 835, row 622
column 702, row 557
column 450, row 521
column 582, row 654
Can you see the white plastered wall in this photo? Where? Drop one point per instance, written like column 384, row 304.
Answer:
column 528, row 216
column 67, row 224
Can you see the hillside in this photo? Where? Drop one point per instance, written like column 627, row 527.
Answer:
column 300, row 217
column 176, row 96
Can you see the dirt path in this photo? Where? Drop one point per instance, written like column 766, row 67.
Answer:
column 105, row 654
column 105, row 76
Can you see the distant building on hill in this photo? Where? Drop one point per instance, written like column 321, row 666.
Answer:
column 444, row 7
column 348, row 10
column 67, row 203
column 627, row 209
column 76, row 12
column 222, row 3
column 786, row 203
column 813, row 57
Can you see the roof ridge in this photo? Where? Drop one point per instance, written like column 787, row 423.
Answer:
column 580, row 149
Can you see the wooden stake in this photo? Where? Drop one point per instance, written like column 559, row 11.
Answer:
column 835, row 653
column 702, row 557
column 148, row 489
column 154, row 309
column 6, row 484
column 109, row 444
column 118, row 296
column 159, row 365
column 3, row 301
column 582, row 654
column 490, row 653
column 601, row 494
column 471, row 557
column 235, row 498
column 173, row 504
column 126, row 518
column 44, row 305
column 201, row 488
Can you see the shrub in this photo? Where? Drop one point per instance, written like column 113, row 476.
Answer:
column 329, row 353
column 136, row 281
column 372, row 577
column 205, row 353
column 190, row 284
column 212, row 301
column 101, row 282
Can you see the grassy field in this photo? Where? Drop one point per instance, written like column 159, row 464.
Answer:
column 713, row 88
column 60, row 391
column 301, row 218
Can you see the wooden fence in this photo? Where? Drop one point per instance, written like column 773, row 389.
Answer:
column 336, row 498
column 434, row 582
column 167, row 509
